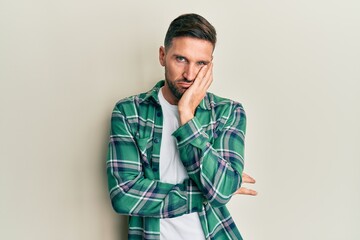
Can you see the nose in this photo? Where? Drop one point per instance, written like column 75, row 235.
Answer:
column 190, row 72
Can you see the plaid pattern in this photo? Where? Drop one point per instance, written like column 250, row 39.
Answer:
column 211, row 147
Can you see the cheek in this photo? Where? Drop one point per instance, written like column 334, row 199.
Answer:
column 175, row 70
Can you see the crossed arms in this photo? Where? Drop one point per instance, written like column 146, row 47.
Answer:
column 215, row 172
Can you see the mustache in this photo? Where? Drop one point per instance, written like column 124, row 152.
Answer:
column 185, row 80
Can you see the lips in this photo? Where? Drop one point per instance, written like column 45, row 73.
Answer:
column 185, row 84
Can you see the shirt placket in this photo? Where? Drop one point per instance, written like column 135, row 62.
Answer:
column 157, row 141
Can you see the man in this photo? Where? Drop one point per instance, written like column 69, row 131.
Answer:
column 176, row 152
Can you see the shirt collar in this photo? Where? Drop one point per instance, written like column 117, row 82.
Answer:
column 152, row 96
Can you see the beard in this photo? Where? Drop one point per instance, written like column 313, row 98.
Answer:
column 175, row 90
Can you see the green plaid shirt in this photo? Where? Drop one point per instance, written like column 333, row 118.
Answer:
column 211, row 147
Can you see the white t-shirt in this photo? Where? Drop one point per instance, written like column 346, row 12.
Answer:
column 187, row 226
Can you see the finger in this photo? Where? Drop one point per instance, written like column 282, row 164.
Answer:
column 208, row 78
column 201, row 74
column 208, row 72
column 246, row 191
column 208, row 84
column 247, row 178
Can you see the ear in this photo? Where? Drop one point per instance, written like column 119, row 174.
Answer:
column 162, row 56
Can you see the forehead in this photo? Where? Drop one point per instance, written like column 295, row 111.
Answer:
column 192, row 48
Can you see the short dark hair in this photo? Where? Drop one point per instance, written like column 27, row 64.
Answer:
column 190, row 25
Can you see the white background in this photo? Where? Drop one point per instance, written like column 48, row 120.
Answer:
column 293, row 64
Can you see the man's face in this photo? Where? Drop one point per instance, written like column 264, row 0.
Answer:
column 182, row 61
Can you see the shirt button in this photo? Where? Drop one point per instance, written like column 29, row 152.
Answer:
column 156, row 140
column 158, row 114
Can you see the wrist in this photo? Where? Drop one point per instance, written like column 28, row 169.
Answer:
column 185, row 116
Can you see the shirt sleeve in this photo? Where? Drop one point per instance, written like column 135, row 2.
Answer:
column 216, row 164
column 131, row 192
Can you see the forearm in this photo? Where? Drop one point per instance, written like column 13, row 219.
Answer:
column 215, row 164
column 215, row 176
column 150, row 198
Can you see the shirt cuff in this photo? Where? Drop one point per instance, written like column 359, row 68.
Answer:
column 191, row 133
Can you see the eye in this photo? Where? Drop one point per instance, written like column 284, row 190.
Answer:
column 202, row 63
column 180, row 59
